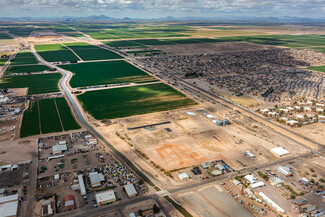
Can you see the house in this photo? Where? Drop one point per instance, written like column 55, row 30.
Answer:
column 292, row 122
column 307, row 109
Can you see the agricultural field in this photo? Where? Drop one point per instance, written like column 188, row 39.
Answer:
column 30, row 123
column 123, row 43
column 99, row 35
column 23, row 58
column 37, row 84
column 317, row 68
column 4, row 36
column 25, row 69
column 3, row 61
column 293, row 41
column 90, row 52
column 128, row 101
column 47, row 116
column 55, row 53
column 107, row 72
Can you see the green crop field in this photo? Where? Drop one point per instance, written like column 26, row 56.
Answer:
column 50, row 121
column 30, row 123
column 317, row 68
column 3, row 61
column 25, row 69
column 151, row 42
column 55, row 53
column 107, row 72
column 127, row 101
column 68, row 121
column 37, row 84
column 293, row 41
column 43, row 116
column 100, row 35
column 24, row 58
column 90, row 52
column 123, row 43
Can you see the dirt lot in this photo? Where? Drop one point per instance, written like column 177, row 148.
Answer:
column 314, row 131
column 212, row 201
column 192, row 139
column 12, row 152
column 210, row 48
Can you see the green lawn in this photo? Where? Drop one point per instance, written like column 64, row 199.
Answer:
column 127, row 101
column 90, row 52
column 49, row 117
column 317, row 68
column 24, row 58
column 25, row 69
column 68, row 120
column 107, row 72
column 30, row 122
column 37, row 84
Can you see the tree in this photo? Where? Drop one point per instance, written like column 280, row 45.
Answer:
column 155, row 209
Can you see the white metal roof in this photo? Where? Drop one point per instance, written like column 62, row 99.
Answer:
column 105, row 196
column 257, row 185
column 250, row 178
column 9, row 198
column 57, row 148
column 9, row 209
column 94, row 179
column 130, row 190
column 183, row 176
column 280, row 151
column 82, row 185
column 268, row 200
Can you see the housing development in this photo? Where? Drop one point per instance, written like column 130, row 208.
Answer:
column 161, row 118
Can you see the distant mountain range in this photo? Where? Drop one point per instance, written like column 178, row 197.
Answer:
column 168, row 18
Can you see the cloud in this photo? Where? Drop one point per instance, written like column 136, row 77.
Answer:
column 147, row 8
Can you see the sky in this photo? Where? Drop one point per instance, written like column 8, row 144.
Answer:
column 163, row 8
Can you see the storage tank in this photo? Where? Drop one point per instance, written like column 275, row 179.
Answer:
column 219, row 123
column 225, row 122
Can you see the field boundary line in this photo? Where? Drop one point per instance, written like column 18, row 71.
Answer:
column 39, row 117
column 73, row 52
column 57, row 110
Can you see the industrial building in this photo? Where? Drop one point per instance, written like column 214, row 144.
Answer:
column 183, row 176
column 47, row 209
column 59, row 149
column 69, row 202
column 257, row 185
column 251, row 179
column 275, row 181
column 271, row 202
column 279, row 151
column 96, row 179
column 130, row 190
column 105, row 197
column 250, row 154
column 9, row 205
column 82, row 185
column 285, row 170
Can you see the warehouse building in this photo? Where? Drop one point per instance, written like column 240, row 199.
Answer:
column 59, row 149
column 96, row 179
column 251, row 179
column 183, row 176
column 257, row 185
column 271, row 202
column 279, row 151
column 285, row 170
column 69, row 202
column 9, row 205
column 130, row 190
column 82, row 185
column 105, row 197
